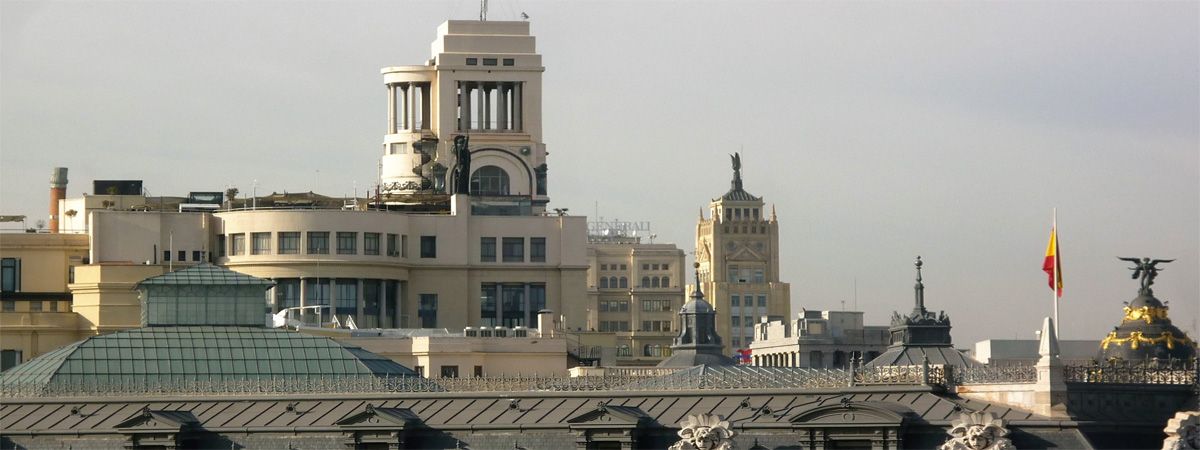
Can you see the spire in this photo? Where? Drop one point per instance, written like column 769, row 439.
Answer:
column 919, row 289
column 697, row 294
column 772, row 212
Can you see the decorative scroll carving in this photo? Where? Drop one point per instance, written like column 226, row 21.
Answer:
column 1149, row 314
column 1136, row 338
column 704, row 432
column 978, row 431
column 1183, row 431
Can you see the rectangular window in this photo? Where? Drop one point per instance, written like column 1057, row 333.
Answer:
column 54, row 305
column 449, row 371
column 733, row 274
column 370, row 243
column 509, row 61
column 10, row 275
column 762, row 300
column 624, row 267
column 759, row 276
column 645, row 325
column 166, row 255
column 316, row 292
column 260, row 243
column 472, row 61
column 404, row 246
column 289, row 242
column 420, row 370
column 347, row 297
column 604, row 267
column 427, row 310
column 478, row 371
column 429, row 246
column 487, row 304
column 220, row 246
column 645, row 267
column 734, row 300
column 347, row 243
column 512, row 307
column 182, row 255
column 35, row 306
column 735, row 321
column 9, row 359
column 197, row 255
column 318, row 242
column 537, row 299
column 487, row 249
column 391, row 245
column 514, row 249
column 666, row 266
column 537, row 249
column 287, row 292
column 489, row 61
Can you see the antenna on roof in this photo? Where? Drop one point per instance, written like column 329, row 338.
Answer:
column 483, row 10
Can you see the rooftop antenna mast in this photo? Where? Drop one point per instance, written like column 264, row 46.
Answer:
column 483, row 10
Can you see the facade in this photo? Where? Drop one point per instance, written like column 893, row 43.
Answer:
column 634, row 291
column 35, row 303
column 818, row 339
column 737, row 247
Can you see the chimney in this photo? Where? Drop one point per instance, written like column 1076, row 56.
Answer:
column 58, row 191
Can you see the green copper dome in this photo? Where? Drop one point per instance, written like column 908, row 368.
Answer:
column 172, row 355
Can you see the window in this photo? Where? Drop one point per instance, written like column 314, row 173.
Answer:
column 759, row 277
column 370, row 243
column 734, row 300
column 166, row 255
column 449, row 371
column 624, row 267
column 260, row 243
column 509, row 61
column 645, row 267
column 735, row 321
column 35, row 306
column 762, row 300
column 9, row 359
column 427, row 310
column 182, row 255
column 10, row 275
column 489, row 180
column 733, row 274
column 54, row 305
column 197, row 255
column 429, row 246
column 8, row 306
column 289, row 242
column 537, row 249
column 624, row 283
column 347, row 242
column 318, row 242
column 404, row 246
column 347, row 297
column 666, row 267
column 478, row 371
column 654, row 282
column 603, row 283
column 391, row 245
column 604, row 267
column 487, row 249
column 666, row 282
column 487, row 304
column 645, row 282
column 472, row 61
column 489, row 61
column 316, row 291
column 514, row 249
column 654, row 267
column 420, row 370
column 220, row 246
column 287, row 292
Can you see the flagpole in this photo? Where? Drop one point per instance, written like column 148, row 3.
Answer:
column 1054, row 281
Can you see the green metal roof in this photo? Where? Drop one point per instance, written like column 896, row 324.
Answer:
column 205, row 274
column 162, row 356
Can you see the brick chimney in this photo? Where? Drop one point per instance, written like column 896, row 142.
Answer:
column 58, row 191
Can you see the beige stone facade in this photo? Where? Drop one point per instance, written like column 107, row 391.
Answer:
column 737, row 248
column 818, row 339
column 634, row 291
column 36, row 315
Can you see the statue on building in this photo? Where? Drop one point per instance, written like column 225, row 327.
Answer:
column 1146, row 269
column 736, row 161
column 977, row 431
column 704, row 432
column 462, row 169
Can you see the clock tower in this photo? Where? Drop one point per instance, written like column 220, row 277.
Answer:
column 737, row 248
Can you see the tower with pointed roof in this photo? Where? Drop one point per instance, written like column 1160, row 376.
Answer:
column 698, row 343
column 921, row 336
column 737, row 247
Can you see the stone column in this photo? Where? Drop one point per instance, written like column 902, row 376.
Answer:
column 502, row 106
column 518, row 101
column 391, row 128
column 384, row 320
column 426, row 108
column 358, row 315
column 487, row 107
column 479, row 94
column 464, row 106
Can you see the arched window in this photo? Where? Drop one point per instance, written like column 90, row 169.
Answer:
column 654, row 282
column 624, row 282
column 645, row 282
column 666, row 282
column 603, row 283
column 646, row 350
column 612, row 282
column 489, row 180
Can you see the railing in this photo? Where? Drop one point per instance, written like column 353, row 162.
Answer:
column 994, row 375
column 904, row 375
column 1167, row 373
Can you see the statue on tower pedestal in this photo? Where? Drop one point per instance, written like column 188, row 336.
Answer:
column 462, row 168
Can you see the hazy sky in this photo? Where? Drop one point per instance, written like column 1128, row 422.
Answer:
column 879, row 130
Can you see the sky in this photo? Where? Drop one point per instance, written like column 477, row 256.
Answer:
column 879, row 131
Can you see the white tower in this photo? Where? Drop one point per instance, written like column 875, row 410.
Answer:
column 483, row 81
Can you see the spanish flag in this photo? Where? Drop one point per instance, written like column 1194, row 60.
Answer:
column 1053, row 263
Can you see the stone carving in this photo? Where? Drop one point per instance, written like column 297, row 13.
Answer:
column 978, row 431
column 704, row 432
column 462, row 171
column 1146, row 269
column 1183, row 431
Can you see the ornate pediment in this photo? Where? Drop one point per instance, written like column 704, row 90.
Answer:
column 605, row 416
column 373, row 417
column 743, row 252
column 852, row 412
column 158, row 421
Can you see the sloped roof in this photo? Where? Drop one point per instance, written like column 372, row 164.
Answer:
column 167, row 355
column 740, row 195
column 915, row 355
column 206, row 274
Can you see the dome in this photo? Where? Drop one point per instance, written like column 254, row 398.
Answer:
column 1146, row 333
column 171, row 355
column 696, row 306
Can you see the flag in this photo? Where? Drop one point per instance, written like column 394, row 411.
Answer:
column 1053, row 263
